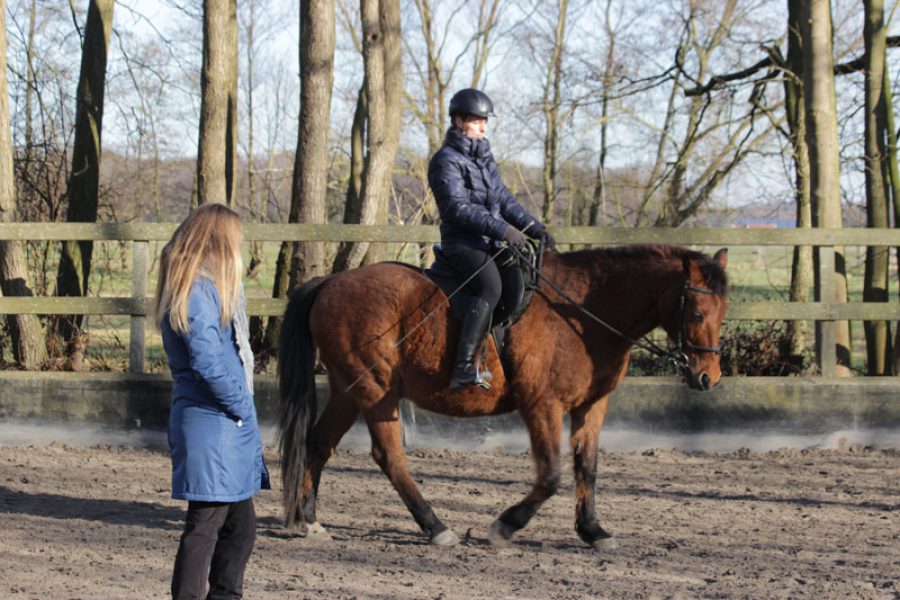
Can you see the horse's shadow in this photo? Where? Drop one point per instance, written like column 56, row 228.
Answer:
column 113, row 512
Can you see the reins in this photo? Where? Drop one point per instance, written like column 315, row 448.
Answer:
column 678, row 359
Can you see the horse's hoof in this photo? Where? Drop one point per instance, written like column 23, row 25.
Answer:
column 315, row 530
column 497, row 536
column 605, row 544
column 445, row 539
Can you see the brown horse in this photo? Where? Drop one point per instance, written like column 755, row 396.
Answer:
column 368, row 326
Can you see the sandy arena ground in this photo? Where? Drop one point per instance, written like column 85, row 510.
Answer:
column 81, row 523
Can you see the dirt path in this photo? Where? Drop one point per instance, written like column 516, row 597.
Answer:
column 97, row 523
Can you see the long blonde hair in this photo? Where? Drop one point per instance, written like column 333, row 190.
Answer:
column 207, row 243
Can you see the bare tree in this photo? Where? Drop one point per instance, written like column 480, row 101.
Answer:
column 875, row 289
column 550, row 108
column 84, row 184
column 432, row 69
column 598, row 198
column 217, row 142
column 310, row 188
column 802, row 264
column 300, row 261
column 29, row 349
column 894, row 178
column 384, row 87
column 489, row 13
column 682, row 197
column 824, row 147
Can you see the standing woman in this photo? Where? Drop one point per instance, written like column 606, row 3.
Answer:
column 214, row 438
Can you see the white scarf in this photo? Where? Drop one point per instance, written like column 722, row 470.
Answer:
column 242, row 335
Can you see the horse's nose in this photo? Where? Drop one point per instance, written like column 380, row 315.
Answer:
column 705, row 381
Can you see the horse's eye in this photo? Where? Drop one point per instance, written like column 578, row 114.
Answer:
column 698, row 317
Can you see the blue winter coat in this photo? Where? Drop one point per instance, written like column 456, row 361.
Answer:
column 475, row 206
column 214, row 436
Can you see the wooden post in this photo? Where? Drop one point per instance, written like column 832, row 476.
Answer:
column 827, row 330
column 136, row 349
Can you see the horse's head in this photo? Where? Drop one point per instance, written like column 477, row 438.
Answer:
column 697, row 318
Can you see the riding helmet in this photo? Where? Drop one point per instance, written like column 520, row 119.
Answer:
column 471, row 102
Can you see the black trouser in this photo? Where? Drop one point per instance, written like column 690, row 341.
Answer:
column 488, row 284
column 215, row 546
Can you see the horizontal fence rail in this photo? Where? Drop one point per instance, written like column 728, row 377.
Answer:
column 254, row 232
column 138, row 306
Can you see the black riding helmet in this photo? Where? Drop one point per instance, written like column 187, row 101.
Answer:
column 471, row 102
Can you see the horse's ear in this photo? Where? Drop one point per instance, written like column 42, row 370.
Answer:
column 691, row 270
column 721, row 257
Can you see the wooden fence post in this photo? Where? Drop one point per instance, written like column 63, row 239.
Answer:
column 826, row 331
column 136, row 349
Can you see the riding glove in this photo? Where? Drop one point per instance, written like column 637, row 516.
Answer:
column 539, row 232
column 514, row 237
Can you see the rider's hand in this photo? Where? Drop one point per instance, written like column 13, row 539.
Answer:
column 539, row 232
column 514, row 237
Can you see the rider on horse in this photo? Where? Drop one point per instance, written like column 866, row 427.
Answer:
column 477, row 214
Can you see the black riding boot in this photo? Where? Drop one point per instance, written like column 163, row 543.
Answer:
column 471, row 333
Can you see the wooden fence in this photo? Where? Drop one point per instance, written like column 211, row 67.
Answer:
column 762, row 397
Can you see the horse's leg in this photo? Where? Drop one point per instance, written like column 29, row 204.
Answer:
column 387, row 450
column 544, row 429
column 336, row 420
column 586, row 423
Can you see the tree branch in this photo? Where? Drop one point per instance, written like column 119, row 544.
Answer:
column 773, row 60
column 857, row 64
column 719, row 80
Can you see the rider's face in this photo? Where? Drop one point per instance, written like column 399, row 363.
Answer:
column 472, row 126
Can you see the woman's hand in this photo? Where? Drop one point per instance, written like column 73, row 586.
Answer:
column 514, row 237
column 539, row 232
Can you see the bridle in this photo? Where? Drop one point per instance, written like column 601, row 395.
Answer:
column 678, row 358
column 683, row 342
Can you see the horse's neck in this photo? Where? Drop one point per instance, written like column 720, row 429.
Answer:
column 633, row 298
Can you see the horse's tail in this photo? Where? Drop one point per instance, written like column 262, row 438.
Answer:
column 297, row 393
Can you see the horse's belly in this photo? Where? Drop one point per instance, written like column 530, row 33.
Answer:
column 470, row 402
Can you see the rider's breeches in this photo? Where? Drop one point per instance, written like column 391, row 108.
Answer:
column 487, row 284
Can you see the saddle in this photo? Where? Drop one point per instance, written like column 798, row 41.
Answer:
column 519, row 282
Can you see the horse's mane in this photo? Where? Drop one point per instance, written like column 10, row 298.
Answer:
column 606, row 258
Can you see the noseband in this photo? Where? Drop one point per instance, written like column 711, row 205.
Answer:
column 683, row 342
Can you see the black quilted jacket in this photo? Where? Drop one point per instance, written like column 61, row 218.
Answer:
column 475, row 206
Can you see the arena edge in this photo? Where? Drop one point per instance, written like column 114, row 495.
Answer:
column 803, row 405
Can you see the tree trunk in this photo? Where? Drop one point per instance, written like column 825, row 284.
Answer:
column 824, row 148
column 29, row 349
column 894, row 187
column 310, row 185
column 389, row 17
column 84, row 184
column 383, row 82
column 309, row 191
column 217, row 144
column 801, row 266
column 257, row 323
column 598, row 199
column 352, row 206
column 875, row 288
column 551, row 104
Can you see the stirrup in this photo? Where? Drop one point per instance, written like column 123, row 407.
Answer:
column 483, row 378
column 469, row 374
